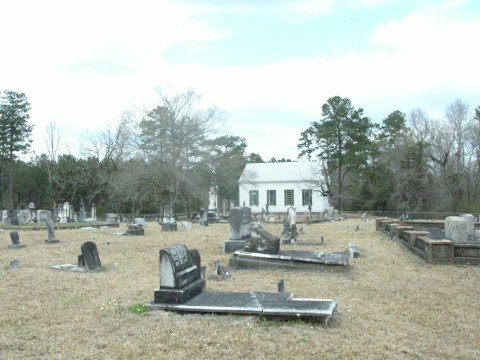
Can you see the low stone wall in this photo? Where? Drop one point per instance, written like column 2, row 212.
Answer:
column 433, row 251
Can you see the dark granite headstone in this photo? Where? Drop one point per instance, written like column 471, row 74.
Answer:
column 90, row 256
column 15, row 241
column 261, row 241
column 180, row 275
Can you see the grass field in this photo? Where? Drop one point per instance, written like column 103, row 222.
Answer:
column 391, row 305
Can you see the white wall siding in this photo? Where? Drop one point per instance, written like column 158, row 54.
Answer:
column 319, row 203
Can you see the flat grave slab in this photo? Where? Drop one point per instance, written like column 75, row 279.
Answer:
column 280, row 305
column 292, row 259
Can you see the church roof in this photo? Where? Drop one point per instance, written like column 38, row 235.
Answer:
column 281, row 172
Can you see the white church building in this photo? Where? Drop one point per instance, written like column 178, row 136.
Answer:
column 277, row 186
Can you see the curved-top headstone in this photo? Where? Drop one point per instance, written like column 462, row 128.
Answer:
column 90, row 256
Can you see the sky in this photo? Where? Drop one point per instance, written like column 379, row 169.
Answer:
column 268, row 65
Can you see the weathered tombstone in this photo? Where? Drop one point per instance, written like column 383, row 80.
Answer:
column 51, row 231
column 90, row 257
column 212, row 198
column 141, row 221
column 354, row 251
column 43, row 214
column 470, row 219
column 225, row 207
column 71, row 214
column 5, row 218
column 168, row 221
column 180, row 276
column 335, row 215
column 203, row 217
column 112, row 218
column 14, row 264
column 83, row 213
column 31, row 209
column 135, row 229
column 289, row 232
column 23, row 216
column 15, row 241
column 93, row 214
column 456, row 229
column 240, row 221
column 261, row 241
column 364, row 217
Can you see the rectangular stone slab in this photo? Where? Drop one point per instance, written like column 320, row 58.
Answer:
column 217, row 302
column 277, row 305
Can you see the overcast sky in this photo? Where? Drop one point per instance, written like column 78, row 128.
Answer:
column 269, row 65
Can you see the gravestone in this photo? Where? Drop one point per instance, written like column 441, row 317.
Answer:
column 15, row 241
column 23, row 216
column 470, row 219
column 135, row 229
column 180, row 275
column 32, row 215
column 5, row 218
column 168, row 221
column 42, row 215
column 51, row 231
column 141, row 221
column 335, row 215
column 456, row 229
column 364, row 217
column 93, row 213
column 261, row 241
column 289, row 232
column 181, row 289
column 83, row 213
column 203, row 217
column 111, row 218
column 240, row 222
column 89, row 257
column 14, row 264
column 71, row 214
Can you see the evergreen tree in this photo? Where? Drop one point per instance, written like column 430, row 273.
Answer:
column 15, row 134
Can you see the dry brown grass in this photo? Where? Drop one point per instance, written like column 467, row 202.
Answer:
column 390, row 304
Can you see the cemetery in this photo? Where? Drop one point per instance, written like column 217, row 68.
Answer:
column 389, row 304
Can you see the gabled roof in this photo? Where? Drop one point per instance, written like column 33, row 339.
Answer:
column 280, row 171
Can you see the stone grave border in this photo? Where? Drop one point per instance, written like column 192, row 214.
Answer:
column 433, row 251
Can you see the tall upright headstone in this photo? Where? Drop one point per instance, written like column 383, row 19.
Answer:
column 15, row 241
column 51, row 230
column 240, row 222
column 94, row 212
column 31, row 209
column 83, row 213
column 168, row 221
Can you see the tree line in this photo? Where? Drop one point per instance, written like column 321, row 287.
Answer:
column 405, row 163
column 172, row 153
